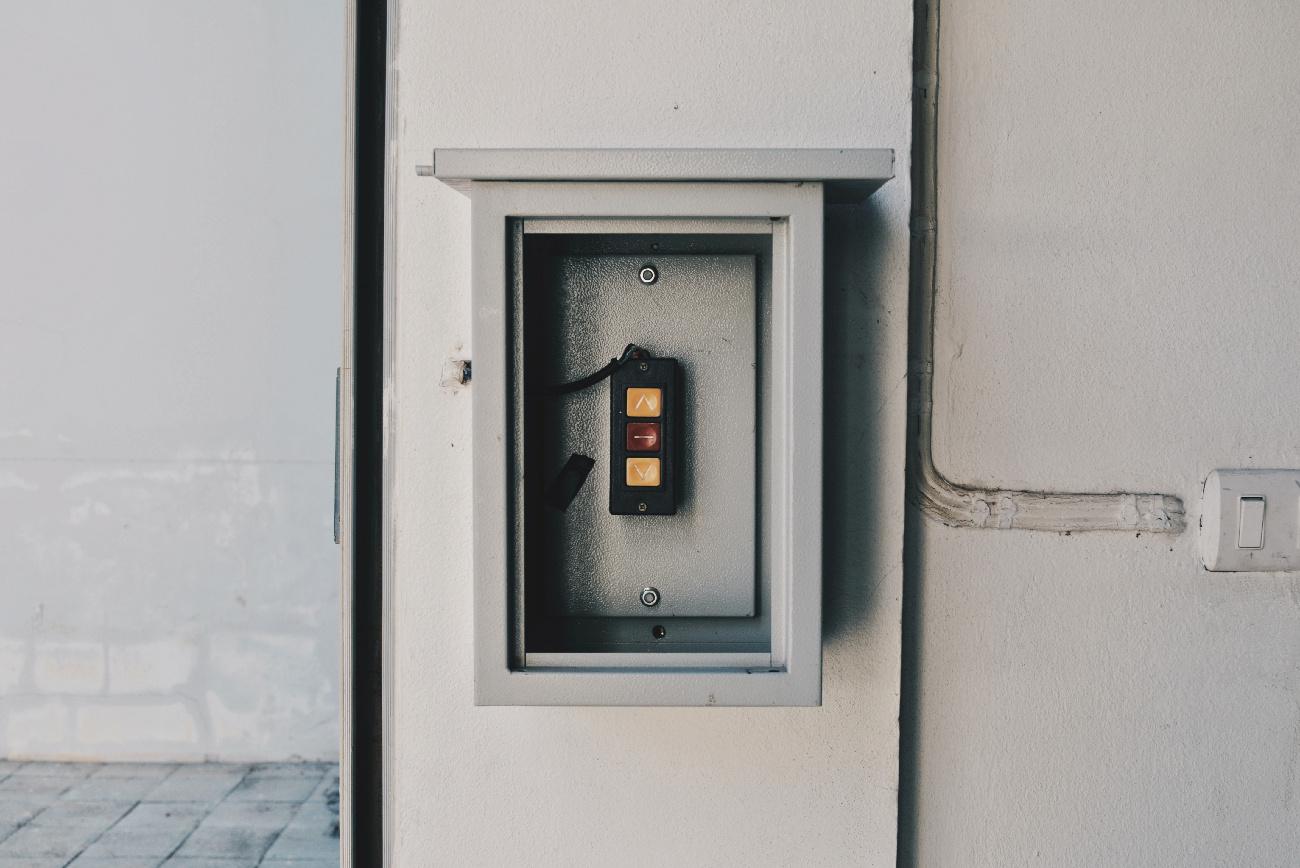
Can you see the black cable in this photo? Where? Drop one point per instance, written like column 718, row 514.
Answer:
column 631, row 351
column 566, row 485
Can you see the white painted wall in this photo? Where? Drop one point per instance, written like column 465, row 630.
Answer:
column 1118, row 308
column 170, row 180
column 632, row 786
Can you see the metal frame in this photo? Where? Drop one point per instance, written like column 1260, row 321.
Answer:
column 793, row 677
column 361, row 526
column 849, row 174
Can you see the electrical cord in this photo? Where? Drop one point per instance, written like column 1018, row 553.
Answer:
column 569, row 481
column 630, row 352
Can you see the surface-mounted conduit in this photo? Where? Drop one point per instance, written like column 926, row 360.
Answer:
column 946, row 501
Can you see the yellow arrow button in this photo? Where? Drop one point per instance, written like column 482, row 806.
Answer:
column 644, row 402
column 642, row 472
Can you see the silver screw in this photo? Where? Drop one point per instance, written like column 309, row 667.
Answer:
column 650, row 596
column 648, row 275
column 641, row 507
column 645, row 366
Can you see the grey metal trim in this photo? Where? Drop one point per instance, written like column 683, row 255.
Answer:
column 716, row 226
column 674, row 661
column 338, row 422
column 794, row 458
column 849, row 174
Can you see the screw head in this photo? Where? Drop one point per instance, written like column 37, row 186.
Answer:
column 650, row 596
column 648, row 275
column 641, row 507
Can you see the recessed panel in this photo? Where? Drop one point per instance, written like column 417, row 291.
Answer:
column 701, row 310
column 716, row 599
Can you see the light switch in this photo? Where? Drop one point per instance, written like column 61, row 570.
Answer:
column 643, row 484
column 1250, row 521
column 1250, row 530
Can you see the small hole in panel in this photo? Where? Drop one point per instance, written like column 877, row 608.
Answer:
column 658, row 632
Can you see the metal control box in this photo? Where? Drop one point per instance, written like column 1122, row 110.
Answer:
column 647, row 525
column 694, row 540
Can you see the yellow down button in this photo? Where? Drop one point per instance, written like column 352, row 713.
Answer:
column 644, row 402
column 643, row 472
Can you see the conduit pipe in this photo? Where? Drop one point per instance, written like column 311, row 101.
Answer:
column 951, row 503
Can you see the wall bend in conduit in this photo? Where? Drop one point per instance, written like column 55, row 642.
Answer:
column 943, row 500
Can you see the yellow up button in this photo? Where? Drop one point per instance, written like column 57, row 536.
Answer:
column 644, row 402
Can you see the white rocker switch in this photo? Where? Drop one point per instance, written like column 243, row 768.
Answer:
column 1250, row 521
column 1250, row 530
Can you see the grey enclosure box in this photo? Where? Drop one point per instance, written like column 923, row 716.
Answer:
column 588, row 589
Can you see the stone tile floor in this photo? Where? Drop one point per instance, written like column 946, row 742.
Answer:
column 88, row 815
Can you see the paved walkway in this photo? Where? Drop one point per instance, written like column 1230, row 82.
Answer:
column 87, row 815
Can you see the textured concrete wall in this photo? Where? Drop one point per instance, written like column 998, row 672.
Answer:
column 635, row 786
column 170, row 177
column 1118, row 309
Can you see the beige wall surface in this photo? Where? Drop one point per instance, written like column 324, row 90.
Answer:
column 1118, row 309
column 637, row 786
column 170, row 232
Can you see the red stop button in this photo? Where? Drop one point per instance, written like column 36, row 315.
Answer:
column 642, row 436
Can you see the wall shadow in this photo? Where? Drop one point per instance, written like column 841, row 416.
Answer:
column 910, row 701
column 854, row 501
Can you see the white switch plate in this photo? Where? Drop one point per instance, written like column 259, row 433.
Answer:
column 1221, row 516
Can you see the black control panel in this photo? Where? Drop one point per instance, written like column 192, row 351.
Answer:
column 644, row 417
